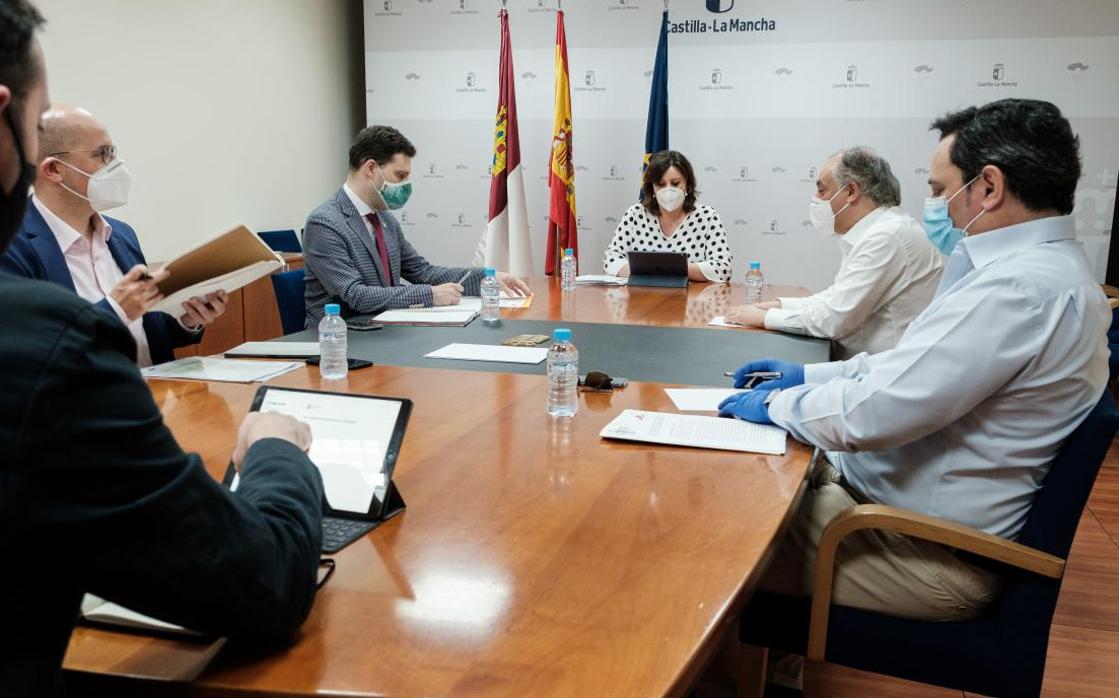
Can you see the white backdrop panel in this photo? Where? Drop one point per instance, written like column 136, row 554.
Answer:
column 755, row 111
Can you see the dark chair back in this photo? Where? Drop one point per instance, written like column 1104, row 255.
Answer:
column 1001, row 653
column 289, row 288
column 281, row 240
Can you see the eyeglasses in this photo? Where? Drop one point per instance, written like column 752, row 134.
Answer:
column 106, row 153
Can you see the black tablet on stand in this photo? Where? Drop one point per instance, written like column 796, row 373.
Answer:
column 355, row 443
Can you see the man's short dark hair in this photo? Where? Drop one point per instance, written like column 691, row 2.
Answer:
column 19, row 67
column 380, row 144
column 1029, row 140
column 659, row 163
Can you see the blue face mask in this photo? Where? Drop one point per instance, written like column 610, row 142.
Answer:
column 943, row 234
column 938, row 226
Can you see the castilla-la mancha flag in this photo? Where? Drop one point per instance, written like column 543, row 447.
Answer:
column 562, row 232
column 506, row 245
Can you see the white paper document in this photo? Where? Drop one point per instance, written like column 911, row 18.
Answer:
column 721, row 321
column 488, row 352
column 277, row 350
column 202, row 368
column 693, row 430
column 601, row 280
column 699, row 399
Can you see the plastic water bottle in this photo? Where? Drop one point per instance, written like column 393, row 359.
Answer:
column 332, row 344
column 754, row 283
column 491, row 297
column 563, row 376
column 567, row 270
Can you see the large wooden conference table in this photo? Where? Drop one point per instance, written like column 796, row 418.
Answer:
column 534, row 558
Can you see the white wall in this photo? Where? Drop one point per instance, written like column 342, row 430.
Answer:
column 224, row 110
column 755, row 112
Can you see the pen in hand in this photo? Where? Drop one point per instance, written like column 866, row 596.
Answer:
column 465, row 277
column 755, row 376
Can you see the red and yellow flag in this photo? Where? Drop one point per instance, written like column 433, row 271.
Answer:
column 562, row 232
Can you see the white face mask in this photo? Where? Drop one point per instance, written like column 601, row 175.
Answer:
column 108, row 187
column 820, row 214
column 670, row 198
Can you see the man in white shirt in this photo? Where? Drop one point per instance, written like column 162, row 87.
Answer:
column 65, row 239
column 963, row 418
column 889, row 269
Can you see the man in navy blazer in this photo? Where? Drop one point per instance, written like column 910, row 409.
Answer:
column 64, row 238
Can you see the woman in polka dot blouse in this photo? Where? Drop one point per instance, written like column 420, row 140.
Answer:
column 668, row 220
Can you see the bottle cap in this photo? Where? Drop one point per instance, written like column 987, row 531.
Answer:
column 755, row 265
column 569, row 251
column 489, row 271
column 332, row 309
column 562, row 335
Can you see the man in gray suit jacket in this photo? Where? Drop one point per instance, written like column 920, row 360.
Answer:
column 354, row 251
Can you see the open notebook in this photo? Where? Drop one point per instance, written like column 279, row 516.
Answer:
column 97, row 610
column 225, row 262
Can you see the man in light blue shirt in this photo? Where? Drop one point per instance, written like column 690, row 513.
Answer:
column 962, row 419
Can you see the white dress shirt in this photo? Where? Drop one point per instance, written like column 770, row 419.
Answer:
column 93, row 269
column 963, row 418
column 887, row 277
column 363, row 209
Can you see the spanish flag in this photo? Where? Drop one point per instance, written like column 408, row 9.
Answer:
column 561, row 178
column 506, row 243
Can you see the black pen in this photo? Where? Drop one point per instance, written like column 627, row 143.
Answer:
column 767, row 375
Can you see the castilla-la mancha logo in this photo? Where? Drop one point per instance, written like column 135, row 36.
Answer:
column 719, row 6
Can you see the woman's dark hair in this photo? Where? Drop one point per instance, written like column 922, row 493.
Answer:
column 379, row 144
column 1029, row 140
column 658, row 165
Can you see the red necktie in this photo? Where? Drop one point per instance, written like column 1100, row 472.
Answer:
column 379, row 236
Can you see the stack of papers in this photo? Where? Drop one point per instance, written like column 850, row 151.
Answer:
column 699, row 399
column 201, row 368
column 439, row 316
column 487, row 352
column 601, row 280
column 275, row 350
column 692, row 430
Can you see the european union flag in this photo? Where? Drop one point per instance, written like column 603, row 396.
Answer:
column 656, row 128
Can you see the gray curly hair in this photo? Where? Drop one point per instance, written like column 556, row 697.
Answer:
column 871, row 172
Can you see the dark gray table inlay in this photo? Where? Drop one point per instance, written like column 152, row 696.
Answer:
column 641, row 353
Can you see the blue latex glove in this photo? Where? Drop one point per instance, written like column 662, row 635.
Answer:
column 749, row 406
column 791, row 374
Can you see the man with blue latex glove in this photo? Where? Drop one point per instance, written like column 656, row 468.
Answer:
column 791, row 374
column 962, row 419
column 750, row 406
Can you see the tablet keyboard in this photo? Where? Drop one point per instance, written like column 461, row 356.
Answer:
column 338, row 533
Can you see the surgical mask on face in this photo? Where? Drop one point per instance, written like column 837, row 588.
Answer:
column 670, row 198
column 820, row 214
column 393, row 194
column 108, row 187
column 939, row 227
column 14, row 203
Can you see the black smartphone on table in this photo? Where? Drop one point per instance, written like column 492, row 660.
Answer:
column 353, row 364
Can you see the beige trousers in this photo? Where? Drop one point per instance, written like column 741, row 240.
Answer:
column 877, row 571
